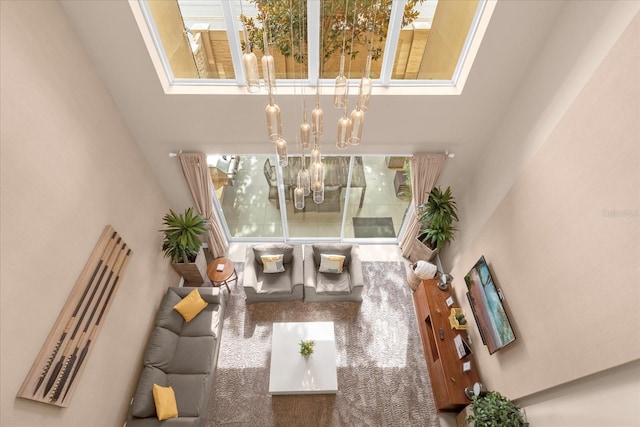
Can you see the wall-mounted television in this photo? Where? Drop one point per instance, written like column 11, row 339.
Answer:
column 486, row 304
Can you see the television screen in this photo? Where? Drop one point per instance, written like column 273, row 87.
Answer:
column 486, row 304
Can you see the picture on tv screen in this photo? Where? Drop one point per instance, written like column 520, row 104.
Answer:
column 487, row 308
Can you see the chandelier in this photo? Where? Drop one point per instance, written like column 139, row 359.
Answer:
column 349, row 126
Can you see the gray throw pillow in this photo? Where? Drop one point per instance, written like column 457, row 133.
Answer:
column 273, row 249
column 334, row 249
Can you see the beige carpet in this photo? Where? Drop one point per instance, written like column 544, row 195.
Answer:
column 382, row 375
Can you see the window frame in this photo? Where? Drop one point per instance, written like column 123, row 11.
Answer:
column 384, row 85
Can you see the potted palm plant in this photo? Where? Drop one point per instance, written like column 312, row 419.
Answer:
column 436, row 217
column 183, row 246
column 493, row 409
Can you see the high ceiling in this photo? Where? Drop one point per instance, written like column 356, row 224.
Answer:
column 234, row 122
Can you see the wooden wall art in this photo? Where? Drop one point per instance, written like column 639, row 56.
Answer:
column 61, row 361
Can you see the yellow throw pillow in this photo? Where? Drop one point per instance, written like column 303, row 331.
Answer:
column 165, row 400
column 190, row 305
column 330, row 263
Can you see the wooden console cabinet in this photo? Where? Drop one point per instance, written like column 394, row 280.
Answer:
column 445, row 368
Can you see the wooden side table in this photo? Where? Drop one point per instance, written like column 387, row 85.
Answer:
column 222, row 275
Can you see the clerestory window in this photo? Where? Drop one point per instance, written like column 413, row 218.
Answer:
column 412, row 43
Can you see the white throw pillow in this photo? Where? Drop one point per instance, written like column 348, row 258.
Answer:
column 331, row 263
column 272, row 263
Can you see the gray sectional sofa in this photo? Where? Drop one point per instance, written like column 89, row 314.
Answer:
column 182, row 355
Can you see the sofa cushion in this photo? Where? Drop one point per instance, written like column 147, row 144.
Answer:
column 333, row 284
column 193, row 355
column 331, row 263
column 206, row 323
column 143, row 404
column 272, row 263
column 167, row 317
column 209, row 294
column 273, row 249
column 161, row 348
column 332, row 248
column 165, row 401
column 275, row 283
column 190, row 392
column 191, row 305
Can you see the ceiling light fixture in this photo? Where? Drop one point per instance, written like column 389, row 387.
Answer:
column 344, row 123
column 340, row 87
column 274, row 120
column 349, row 128
column 303, row 181
column 249, row 61
column 317, row 117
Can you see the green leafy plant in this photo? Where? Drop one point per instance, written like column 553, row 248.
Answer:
column 461, row 319
column 436, row 217
column 182, row 235
column 372, row 21
column 495, row 410
column 306, row 347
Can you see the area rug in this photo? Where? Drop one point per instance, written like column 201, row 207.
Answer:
column 382, row 374
column 373, row 227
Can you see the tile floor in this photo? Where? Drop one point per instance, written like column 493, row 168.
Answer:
column 250, row 214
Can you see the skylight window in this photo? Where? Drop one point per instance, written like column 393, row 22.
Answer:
column 412, row 43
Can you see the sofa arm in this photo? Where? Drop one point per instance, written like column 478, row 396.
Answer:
column 249, row 276
column 211, row 295
column 297, row 266
column 355, row 269
column 309, row 270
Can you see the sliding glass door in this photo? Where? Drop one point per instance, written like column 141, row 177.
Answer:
column 365, row 198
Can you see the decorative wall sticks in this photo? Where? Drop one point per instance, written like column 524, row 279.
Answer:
column 54, row 375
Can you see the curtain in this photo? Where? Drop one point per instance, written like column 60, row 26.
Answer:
column 425, row 169
column 196, row 173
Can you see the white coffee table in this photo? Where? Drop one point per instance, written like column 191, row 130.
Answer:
column 292, row 373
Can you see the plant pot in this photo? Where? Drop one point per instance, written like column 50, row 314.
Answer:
column 455, row 324
column 194, row 273
column 421, row 251
column 461, row 417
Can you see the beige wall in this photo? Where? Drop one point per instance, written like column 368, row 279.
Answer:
column 564, row 243
column 69, row 167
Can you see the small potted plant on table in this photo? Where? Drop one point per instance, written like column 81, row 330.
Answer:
column 306, row 347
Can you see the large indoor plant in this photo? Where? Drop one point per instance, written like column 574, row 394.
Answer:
column 183, row 246
column 493, row 409
column 436, row 217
